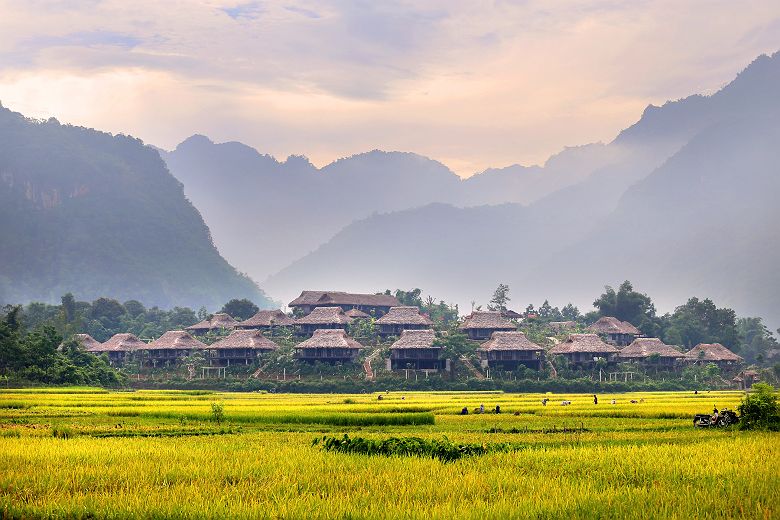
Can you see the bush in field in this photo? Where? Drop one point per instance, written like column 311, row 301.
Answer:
column 444, row 450
column 217, row 412
column 760, row 410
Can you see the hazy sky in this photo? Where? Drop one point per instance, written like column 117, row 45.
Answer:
column 471, row 83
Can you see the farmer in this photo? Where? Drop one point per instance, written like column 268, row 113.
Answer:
column 613, row 401
column 465, row 410
column 714, row 415
column 595, row 399
column 482, row 408
column 498, row 409
column 544, row 402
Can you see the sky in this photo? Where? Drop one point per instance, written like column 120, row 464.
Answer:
column 474, row 84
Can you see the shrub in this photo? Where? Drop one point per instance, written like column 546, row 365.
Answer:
column 217, row 412
column 759, row 409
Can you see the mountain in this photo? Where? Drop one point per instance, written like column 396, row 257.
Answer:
column 95, row 214
column 684, row 206
column 264, row 213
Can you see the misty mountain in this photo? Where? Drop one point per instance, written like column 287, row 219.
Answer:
column 684, row 207
column 94, row 214
column 264, row 213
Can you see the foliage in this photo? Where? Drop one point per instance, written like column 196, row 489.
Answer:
column 217, row 412
column 441, row 313
column 700, row 321
column 759, row 409
column 500, row 298
column 41, row 355
column 444, row 449
column 242, row 309
column 626, row 304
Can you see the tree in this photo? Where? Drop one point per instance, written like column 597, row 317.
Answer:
column 134, row 308
column 626, row 304
column 242, row 309
column 107, row 311
column 755, row 339
column 413, row 297
column 500, row 298
column 570, row 312
column 700, row 321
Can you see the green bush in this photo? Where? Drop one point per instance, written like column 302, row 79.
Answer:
column 759, row 409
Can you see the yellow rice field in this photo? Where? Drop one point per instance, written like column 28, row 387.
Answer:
column 160, row 454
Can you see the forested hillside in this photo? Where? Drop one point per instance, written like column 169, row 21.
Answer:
column 95, row 214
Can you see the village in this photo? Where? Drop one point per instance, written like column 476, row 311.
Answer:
column 399, row 339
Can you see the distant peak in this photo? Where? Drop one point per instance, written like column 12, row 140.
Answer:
column 196, row 140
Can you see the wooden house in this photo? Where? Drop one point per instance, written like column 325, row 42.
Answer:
column 399, row 319
column 584, row 350
column 118, row 347
column 480, row 325
column 651, row 350
column 509, row 349
column 620, row 333
column 328, row 346
column 705, row 353
column 374, row 304
column 267, row 320
column 415, row 350
column 323, row 318
column 171, row 347
column 219, row 321
column 241, row 347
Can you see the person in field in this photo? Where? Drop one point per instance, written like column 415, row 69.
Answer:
column 595, row 399
column 482, row 408
column 498, row 408
column 715, row 415
column 465, row 410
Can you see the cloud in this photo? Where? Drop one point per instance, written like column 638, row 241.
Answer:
column 475, row 83
column 247, row 11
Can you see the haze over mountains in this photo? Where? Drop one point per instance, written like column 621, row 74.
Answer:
column 682, row 203
column 100, row 215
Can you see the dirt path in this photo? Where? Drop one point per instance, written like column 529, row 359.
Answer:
column 367, row 364
column 553, row 372
column 467, row 362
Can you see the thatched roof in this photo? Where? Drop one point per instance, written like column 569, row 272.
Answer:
column 219, row 320
column 583, row 343
column 274, row 318
column 252, row 339
column 642, row 348
column 325, row 316
column 404, row 316
column 88, row 343
column 610, row 325
column 562, row 325
column 511, row 315
column 509, row 341
column 176, row 339
column 330, row 338
column 487, row 320
column 415, row 339
column 356, row 314
column 712, row 352
column 344, row 298
column 123, row 342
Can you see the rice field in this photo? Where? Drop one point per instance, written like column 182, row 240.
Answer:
column 85, row 452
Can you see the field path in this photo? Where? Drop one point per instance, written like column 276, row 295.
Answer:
column 553, row 372
column 367, row 364
column 477, row 374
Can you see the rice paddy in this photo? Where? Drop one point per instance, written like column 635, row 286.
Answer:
column 165, row 454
